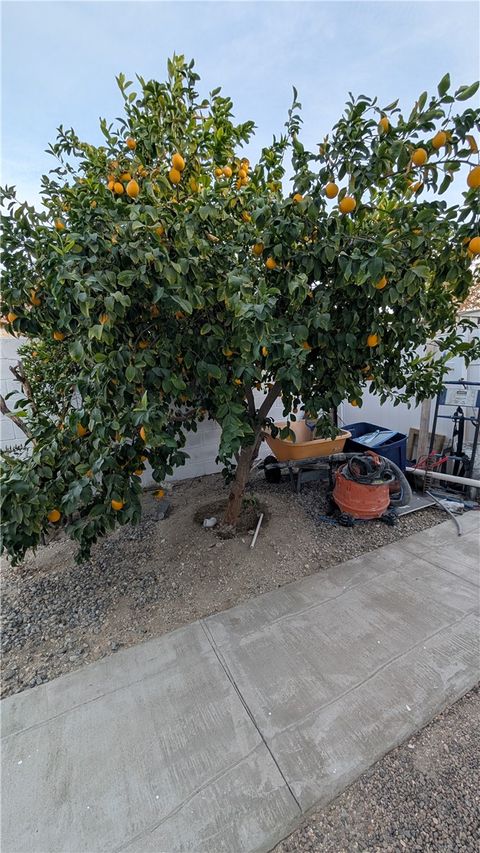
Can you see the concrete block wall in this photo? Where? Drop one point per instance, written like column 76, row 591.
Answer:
column 400, row 417
column 202, row 446
column 10, row 434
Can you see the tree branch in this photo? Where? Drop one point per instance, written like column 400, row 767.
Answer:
column 268, row 402
column 16, row 420
column 184, row 416
column 19, row 375
column 250, row 400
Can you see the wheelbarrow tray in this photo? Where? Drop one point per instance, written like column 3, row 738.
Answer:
column 305, row 446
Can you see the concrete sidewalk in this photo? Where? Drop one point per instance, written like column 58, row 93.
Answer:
column 218, row 736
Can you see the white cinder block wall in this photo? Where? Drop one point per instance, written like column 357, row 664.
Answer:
column 10, row 434
column 202, row 446
column 400, row 417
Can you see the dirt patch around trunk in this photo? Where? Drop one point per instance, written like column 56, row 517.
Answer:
column 144, row 581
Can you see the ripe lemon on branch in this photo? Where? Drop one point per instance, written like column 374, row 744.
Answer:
column 347, row 204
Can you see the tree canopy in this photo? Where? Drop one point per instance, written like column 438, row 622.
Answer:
column 168, row 278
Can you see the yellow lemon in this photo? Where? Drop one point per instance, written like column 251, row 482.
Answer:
column 347, row 204
column 132, row 189
column 178, row 162
column 439, row 140
column 473, row 178
column 174, row 176
column 419, row 157
column 331, row 190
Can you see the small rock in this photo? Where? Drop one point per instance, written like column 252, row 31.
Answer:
column 209, row 522
column 162, row 509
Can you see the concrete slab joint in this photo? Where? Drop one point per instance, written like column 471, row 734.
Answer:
column 220, row 735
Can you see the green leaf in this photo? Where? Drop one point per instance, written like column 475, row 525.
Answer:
column 130, row 373
column 444, row 85
column 422, row 101
column 466, row 92
column 76, row 350
column 96, row 332
column 126, row 278
column 182, row 303
column 214, row 370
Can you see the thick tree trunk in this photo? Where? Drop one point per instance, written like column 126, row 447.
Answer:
column 248, row 455
column 235, row 498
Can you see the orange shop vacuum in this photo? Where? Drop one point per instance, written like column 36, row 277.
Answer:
column 366, row 486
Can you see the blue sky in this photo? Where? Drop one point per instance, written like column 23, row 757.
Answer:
column 60, row 60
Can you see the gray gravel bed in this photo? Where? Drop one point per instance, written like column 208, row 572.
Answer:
column 57, row 615
column 340, row 543
column 62, row 611
column 423, row 796
column 73, row 598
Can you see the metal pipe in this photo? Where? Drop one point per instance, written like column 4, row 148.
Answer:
column 256, row 531
column 463, row 481
column 451, row 514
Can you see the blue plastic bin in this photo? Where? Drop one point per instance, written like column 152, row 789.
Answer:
column 395, row 448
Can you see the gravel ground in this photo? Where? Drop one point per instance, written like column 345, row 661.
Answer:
column 423, row 796
column 342, row 543
column 142, row 582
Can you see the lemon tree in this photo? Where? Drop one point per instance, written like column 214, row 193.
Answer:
column 178, row 280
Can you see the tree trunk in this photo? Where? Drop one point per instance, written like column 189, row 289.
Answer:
column 247, row 456
column 235, row 498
